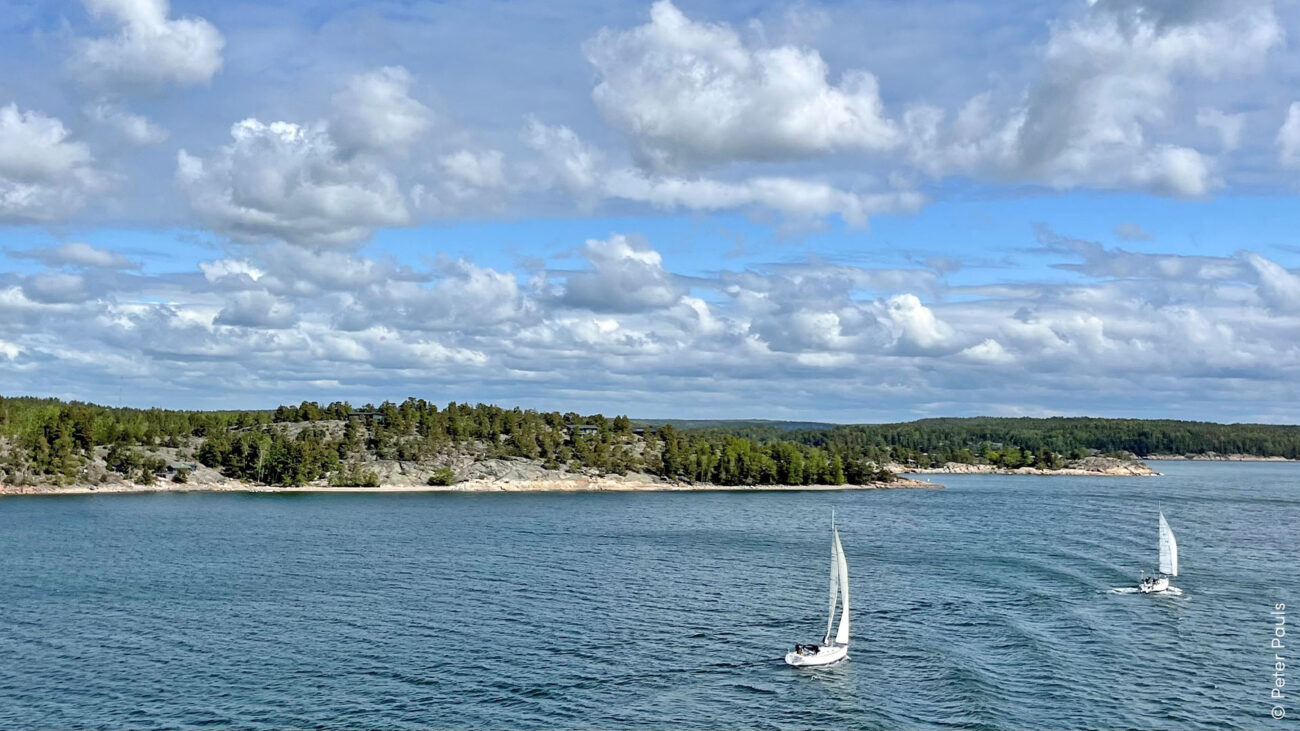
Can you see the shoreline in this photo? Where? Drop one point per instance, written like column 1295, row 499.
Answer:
column 1134, row 469
column 1214, row 457
column 472, row 486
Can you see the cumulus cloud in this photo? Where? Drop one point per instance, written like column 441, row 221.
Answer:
column 44, row 173
column 76, row 254
column 290, row 182
column 56, row 288
column 1278, row 288
column 569, row 161
column 277, row 319
column 793, row 196
column 1107, row 83
column 691, row 91
column 572, row 164
column 234, row 271
column 987, row 351
column 916, row 328
column 457, row 296
column 149, row 49
column 626, row 275
column 256, row 310
column 374, row 112
column 476, row 169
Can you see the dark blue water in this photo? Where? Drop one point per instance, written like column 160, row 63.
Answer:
column 986, row 605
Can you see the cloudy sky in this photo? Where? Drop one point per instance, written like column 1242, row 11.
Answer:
column 866, row 211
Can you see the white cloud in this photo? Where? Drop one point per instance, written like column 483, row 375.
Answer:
column 477, row 169
column 44, row 174
column 269, row 323
column 374, row 112
column 577, row 167
column 792, row 196
column 56, row 288
column 626, row 275
column 987, row 351
column 1109, row 80
column 1278, row 288
column 1288, row 138
column 256, row 310
column 236, row 269
column 463, row 297
column 915, row 326
column 570, row 162
column 150, row 49
column 78, row 254
column 135, row 128
column 290, row 182
column 691, row 91
column 1228, row 126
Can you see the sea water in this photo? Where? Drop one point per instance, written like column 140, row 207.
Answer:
column 988, row 604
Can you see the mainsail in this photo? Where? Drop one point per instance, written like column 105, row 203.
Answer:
column 842, row 569
column 1168, row 549
column 835, row 585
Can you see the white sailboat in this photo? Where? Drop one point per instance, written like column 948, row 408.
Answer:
column 1168, row 561
column 830, row 652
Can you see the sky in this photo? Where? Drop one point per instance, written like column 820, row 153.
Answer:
column 850, row 212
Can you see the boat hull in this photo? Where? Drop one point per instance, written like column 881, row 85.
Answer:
column 824, row 656
column 1155, row 587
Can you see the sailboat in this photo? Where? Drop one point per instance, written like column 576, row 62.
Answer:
column 1168, row 561
column 830, row 652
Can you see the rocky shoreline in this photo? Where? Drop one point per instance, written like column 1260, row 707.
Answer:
column 1086, row 467
column 1215, row 457
column 572, row 484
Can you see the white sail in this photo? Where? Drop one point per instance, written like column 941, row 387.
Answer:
column 842, row 634
column 835, row 585
column 1168, row 549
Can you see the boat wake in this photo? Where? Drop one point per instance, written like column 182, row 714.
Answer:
column 1171, row 591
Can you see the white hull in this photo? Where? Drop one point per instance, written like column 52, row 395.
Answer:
column 833, row 648
column 823, row 656
column 1154, row 587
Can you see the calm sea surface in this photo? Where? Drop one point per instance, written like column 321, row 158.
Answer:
column 985, row 605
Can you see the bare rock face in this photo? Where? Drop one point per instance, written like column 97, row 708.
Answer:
column 1111, row 466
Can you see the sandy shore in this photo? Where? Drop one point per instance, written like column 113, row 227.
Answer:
column 569, row 485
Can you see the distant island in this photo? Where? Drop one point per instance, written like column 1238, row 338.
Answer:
column 50, row 445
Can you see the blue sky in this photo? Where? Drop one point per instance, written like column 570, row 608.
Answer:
column 835, row 211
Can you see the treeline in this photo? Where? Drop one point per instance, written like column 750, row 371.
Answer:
column 45, row 440
column 1028, row 440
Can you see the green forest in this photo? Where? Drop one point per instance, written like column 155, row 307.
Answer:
column 45, row 440
column 999, row 440
column 52, row 441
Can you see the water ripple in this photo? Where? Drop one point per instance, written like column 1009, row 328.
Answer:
column 986, row 605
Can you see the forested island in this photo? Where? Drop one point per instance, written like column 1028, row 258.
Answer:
column 47, row 442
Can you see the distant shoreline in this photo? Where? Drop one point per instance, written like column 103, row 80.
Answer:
column 1212, row 457
column 473, row 486
column 1089, row 467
